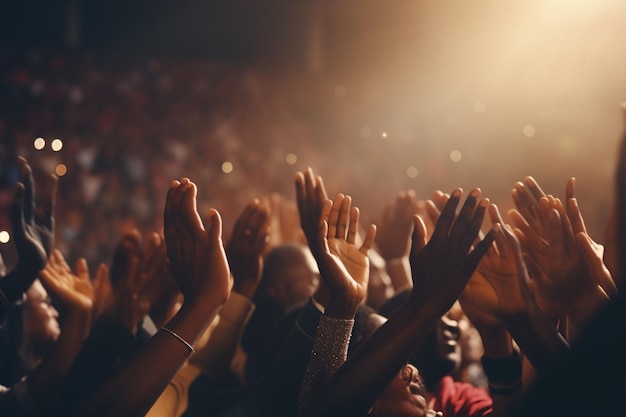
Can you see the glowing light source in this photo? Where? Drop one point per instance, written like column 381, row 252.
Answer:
column 61, row 170
column 227, row 167
column 456, row 156
column 384, row 135
column 5, row 237
column 529, row 131
column 56, row 145
column 340, row 91
column 411, row 172
column 39, row 143
column 291, row 158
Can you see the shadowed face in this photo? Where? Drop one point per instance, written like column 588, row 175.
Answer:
column 40, row 319
column 405, row 396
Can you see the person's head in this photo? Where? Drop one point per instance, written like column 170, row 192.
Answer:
column 440, row 353
column 290, row 275
column 405, row 396
column 28, row 333
column 40, row 319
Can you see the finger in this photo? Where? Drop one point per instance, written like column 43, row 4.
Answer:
column 480, row 250
column 530, row 240
column 325, row 214
column 300, row 192
column 44, row 204
column 534, row 188
column 440, row 199
column 334, row 215
column 369, row 240
column 354, row 225
column 215, row 222
column 18, row 220
column 575, row 216
column 169, row 228
column 190, row 214
column 432, row 211
column 82, row 270
column 418, row 237
column 322, row 240
column 26, row 178
column 470, row 220
column 320, row 191
column 600, row 272
column 344, row 214
column 126, row 250
column 570, row 189
column 442, row 228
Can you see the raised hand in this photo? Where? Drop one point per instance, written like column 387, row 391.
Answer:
column 592, row 252
column 344, row 267
column 311, row 196
column 196, row 255
column 442, row 268
column 159, row 291
column 393, row 237
column 73, row 290
column 499, row 287
column 124, row 304
column 247, row 245
column 39, row 205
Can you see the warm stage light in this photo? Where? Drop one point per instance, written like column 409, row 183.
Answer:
column 5, row 237
column 529, row 131
column 56, row 145
column 291, row 158
column 227, row 167
column 455, row 156
column 39, row 143
column 411, row 172
column 60, row 170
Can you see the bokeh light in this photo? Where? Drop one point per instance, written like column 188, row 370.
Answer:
column 291, row 158
column 39, row 143
column 529, row 131
column 227, row 167
column 411, row 172
column 60, row 170
column 5, row 237
column 384, row 135
column 56, row 145
column 456, row 156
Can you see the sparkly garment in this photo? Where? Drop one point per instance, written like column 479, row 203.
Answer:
column 329, row 352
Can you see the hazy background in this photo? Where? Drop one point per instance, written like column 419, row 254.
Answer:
column 416, row 94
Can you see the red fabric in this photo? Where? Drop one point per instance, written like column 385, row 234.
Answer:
column 461, row 399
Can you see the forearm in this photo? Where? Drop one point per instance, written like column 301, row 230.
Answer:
column 537, row 337
column 136, row 386
column 399, row 271
column 354, row 388
column 45, row 383
column 215, row 357
column 329, row 352
column 15, row 283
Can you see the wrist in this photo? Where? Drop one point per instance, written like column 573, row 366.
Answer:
column 504, row 373
column 341, row 308
column 247, row 288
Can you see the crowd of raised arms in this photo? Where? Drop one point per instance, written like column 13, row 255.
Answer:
column 442, row 308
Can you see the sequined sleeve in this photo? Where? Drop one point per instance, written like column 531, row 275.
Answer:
column 329, row 352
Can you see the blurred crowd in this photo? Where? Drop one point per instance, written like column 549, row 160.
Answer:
column 182, row 266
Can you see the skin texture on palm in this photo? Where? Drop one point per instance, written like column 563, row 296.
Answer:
column 440, row 270
column 198, row 263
